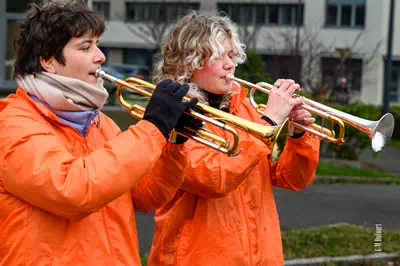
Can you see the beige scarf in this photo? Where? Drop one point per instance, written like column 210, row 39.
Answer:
column 64, row 93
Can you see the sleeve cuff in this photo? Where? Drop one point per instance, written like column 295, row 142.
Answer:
column 298, row 135
column 269, row 120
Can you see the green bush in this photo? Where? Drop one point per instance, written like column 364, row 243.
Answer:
column 253, row 70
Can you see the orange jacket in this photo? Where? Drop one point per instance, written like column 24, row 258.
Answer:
column 225, row 213
column 65, row 199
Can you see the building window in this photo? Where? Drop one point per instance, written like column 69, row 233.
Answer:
column 264, row 14
column 331, row 15
column 360, row 16
column 19, row 6
column 12, row 34
column 281, row 66
column 158, row 12
column 103, row 8
column 105, row 51
column 13, row 16
column 352, row 72
column 136, row 56
column 136, row 12
column 345, row 13
column 395, row 82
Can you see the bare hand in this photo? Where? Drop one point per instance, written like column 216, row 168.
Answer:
column 281, row 102
column 301, row 116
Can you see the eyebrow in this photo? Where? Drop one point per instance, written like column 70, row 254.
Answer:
column 85, row 41
column 89, row 41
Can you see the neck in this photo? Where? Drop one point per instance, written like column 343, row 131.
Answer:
column 215, row 100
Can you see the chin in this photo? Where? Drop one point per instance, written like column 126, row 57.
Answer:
column 225, row 89
column 90, row 82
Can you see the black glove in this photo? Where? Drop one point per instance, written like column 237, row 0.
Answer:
column 187, row 121
column 165, row 106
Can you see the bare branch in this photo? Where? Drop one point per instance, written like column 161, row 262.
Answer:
column 248, row 34
column 152, row 32
column 143, row 33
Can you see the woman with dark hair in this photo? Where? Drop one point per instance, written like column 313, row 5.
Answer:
column 69, row 178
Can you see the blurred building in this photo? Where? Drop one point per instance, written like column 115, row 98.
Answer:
column 314, row 41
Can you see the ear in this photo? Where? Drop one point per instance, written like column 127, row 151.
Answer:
column 48, row 64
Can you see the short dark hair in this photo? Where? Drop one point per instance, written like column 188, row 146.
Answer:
column 48, row 27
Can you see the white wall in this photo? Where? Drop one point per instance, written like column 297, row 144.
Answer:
column 376, row 27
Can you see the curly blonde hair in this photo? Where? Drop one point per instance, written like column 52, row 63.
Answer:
column 194, row 40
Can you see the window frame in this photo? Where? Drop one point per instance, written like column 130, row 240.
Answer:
column 107, row 3
column 339, row 4
column 6, row 84
column 152, row 11
column 354, row 72
column 267, row 8
column 394, row 94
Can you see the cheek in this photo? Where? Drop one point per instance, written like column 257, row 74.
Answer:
column 211, row 72
column 214, row 69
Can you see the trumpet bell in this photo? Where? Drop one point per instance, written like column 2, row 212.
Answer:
column 382, row 131
column 279, row 142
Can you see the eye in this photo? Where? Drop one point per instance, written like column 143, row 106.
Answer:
column 85, row 49
column 232, row 54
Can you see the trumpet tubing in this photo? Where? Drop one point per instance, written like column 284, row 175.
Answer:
column 202, row 112
column 379, row 131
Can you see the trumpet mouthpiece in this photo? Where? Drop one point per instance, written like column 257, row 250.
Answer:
column 99, row 72
column 230, row 77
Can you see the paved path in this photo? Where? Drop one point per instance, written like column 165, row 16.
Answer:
column 318, row 205
column 387, row 160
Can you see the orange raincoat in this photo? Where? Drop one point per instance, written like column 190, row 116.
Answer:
column 64, row 198
column 225, row 213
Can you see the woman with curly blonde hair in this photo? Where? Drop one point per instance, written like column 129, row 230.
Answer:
column 225, row 213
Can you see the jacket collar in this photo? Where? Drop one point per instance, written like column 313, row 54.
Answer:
column 80, row 120
column 37, row 105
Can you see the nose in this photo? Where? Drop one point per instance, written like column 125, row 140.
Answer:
column 99, row 57
column 229, row 63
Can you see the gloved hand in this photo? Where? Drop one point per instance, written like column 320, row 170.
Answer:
column 187, row 121
column 165, row 106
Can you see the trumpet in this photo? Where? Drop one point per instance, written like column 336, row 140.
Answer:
column 203, row 112
column 379, row 131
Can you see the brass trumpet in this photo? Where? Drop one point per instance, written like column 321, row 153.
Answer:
column 379, row 131
column 202, row 112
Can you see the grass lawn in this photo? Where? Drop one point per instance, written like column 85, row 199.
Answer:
column 395, row 143
column 338, row 240
column 334, row 241
column 143, row 260
column 329, row 169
